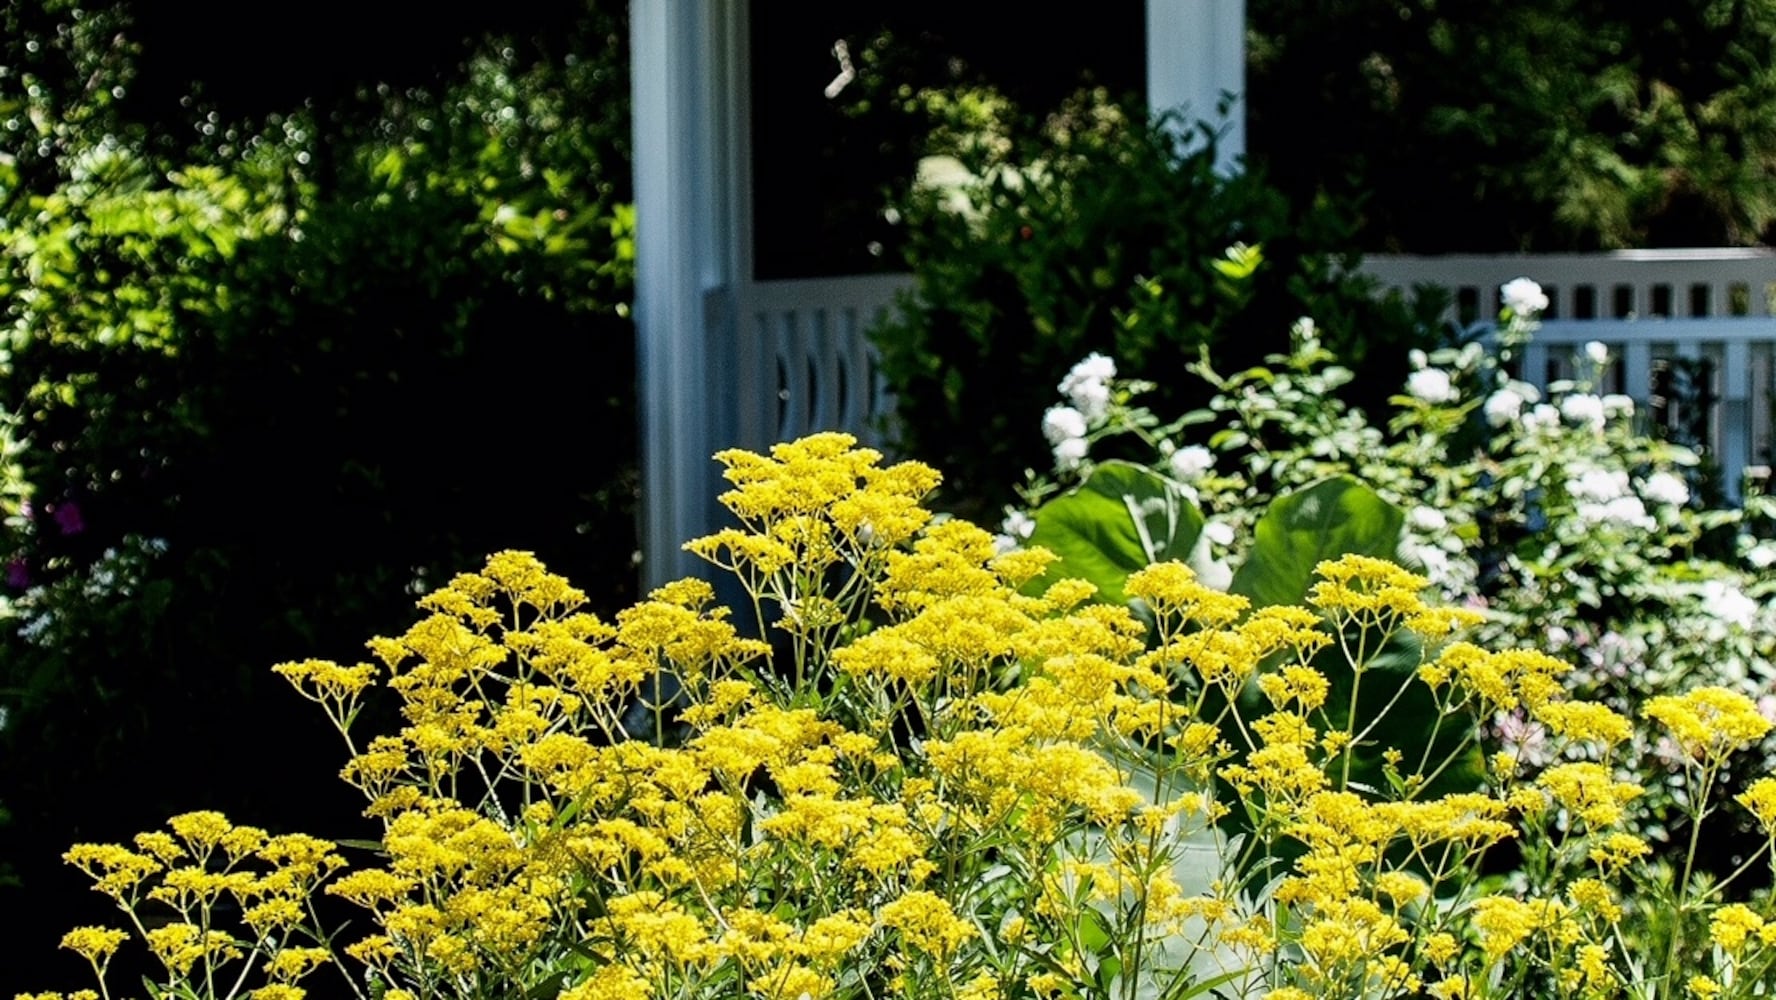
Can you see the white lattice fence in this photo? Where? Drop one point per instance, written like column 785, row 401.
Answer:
column 1661, row 314
column 805, row 362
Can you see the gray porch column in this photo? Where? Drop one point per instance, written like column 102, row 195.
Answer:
column 1196, row 53
column 680, row 58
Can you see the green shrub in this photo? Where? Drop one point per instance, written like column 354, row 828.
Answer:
column 255, row 391
column 1103, row 233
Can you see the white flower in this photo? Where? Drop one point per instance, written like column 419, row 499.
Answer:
column 1094, row 368
column 1761, row 555
column 1219, row 532
column 1667, row 489
column 1427, row 519
column 1087, row 386
column 1418, row 358
column 1063, row 423
column 1018, row 524
column 1543, row 417
column 1303, row 329
column 1092, row 399
column 1523, row 297
column 1503, row 406
column 1192, row 462
column 1728, row 603
column 1598, row 485
column 1597, row 352
column 1070, row 453
column 1617, row 405
column 1583, row 409
column 1627, row 512
column 1433, row 560
column 1431, row 385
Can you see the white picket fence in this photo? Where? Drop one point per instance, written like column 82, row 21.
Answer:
column 804, row 362
column 1659, row 312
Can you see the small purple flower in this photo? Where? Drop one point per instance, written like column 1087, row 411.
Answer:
column 18, row 574
column 67, row 518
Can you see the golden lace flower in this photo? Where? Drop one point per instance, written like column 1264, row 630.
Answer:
column 1585, row 720
column 113, row 868
column 324, row 680
column 1587, row 789
column 1368, row 589
column 1709, row 723
column 95, row 944
column 1592, row 896
column 1760, row 799
column 1173, row 592
column 887, row 653
column 291, row 964
column 1703, row 987
column 926, row 923
column 1732, row 924
column 1503, row 923
column 371, row 886
column 1305, row 686
column 611, row 981
column 1439, row 948
column 1616, row 851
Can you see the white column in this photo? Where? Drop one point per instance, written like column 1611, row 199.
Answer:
column 1196, row 55
column 679, row 58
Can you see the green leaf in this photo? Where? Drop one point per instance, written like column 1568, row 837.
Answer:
column 1123, row 518
column 1334, row 517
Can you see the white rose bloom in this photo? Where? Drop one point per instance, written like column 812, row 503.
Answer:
column 1583, row 409
column 1071, row 452
column 1598, row 485
column 1761, row 555
column 1523, row 297
column 1087, row 386
column 1502, row 407
column 1063, row 423
column 1667, row 489
column 1630, row 512
column 1018, row 524
column 1219, row 532
column 1192, row 462
column 1728, row 603
column 1427, row 519
column 1597, row 352
column 1431, row 385
column 1617, row 405
column 1627, row 512
column 1543, row 417
column 1092, row 400
column 1095, row 368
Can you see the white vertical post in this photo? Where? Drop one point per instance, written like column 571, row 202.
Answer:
column 679, row 60
column 1196, row 55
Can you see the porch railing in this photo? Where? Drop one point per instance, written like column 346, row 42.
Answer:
column 1667, row 316
column 804, row 360
column 804, row 363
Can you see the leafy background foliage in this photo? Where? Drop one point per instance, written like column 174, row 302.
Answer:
column 1569, row 124
column 269, row 369
column 1099, row 233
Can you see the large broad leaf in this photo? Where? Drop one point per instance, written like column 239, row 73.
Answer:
column 1329, row 519
column 1332, row 518
column 1121, row 519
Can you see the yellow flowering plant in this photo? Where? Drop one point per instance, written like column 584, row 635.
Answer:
column 934, row 783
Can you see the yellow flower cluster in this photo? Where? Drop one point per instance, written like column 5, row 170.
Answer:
column 944, row 780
